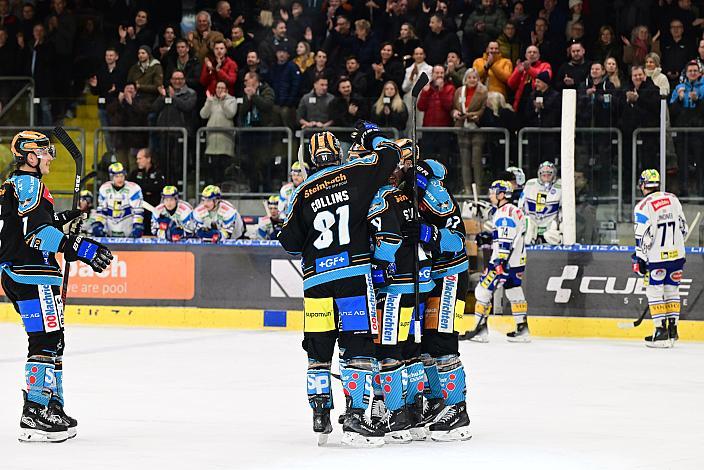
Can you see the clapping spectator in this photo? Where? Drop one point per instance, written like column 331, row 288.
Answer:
column 613, row 74
column 509, row 42
column 107, row 84
column 184, row 62
column 438, row 42
column 406, row 44
column 483, row 25
column 219, row 109
column 167, row 49
column 277, row 38
column 640, row 44
column 640, row 105
column 365, row 46
column 239, row 45
column 543, row 107
column 314, row 107
column 455, row 68
column 146, row 74
column 356, row 76
column 468, row 107
column 298, row 24
column 257, row 103
column 548, row 49
column 285, row 79
column 654, row 72
column 318, row 70
column 494, row 69
column 436, row 101
column 387, row 68
column 202, row 39
column 687, row 109
column 415, row 70
column 389, row 110
column 304, row 57
column 521, row 80
column 596, row 103
column 339, row 43
column 129, row 110
column 252, row 65
column 676, row 51
column 135, row 35
column 176, row 104
column 348, row 107
column 218, row 67
column 574, row 71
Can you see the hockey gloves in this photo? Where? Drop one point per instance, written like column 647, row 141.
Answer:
column 137, row 230
column 639, row 265
column 98, row 229
column 423, row 174
column 62, row 218
column 163, row 222
column 364, row 134
column 212, row 234
column 427, row 234
column 484, row 239
column 500, row 266
column 382, row 272
column 94, row 254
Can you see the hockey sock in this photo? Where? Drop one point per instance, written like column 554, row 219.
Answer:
column 452, row 379
column 391, row 378
column 376, row 381
column 356, row 378
column 519, row 310
column 481, row 310
column 432, row 387
column 39, row 373
column 319, row 382
column 416, row 377
column 59, row 376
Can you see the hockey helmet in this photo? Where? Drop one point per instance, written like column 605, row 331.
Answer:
column 27, row 142
column 86, row 195
column 273, row 201
column 211, row 192
column 517, row 174
column 357, row 151
column 547, row 168
column 406, row 146
column 116, row 169
column 502, row 186
column 325, row 149
column 297, row 168
column 169, row 191
column 649, row 178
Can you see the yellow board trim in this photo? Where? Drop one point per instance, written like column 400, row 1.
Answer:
column 191, row 317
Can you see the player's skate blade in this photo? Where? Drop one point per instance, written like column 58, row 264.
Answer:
column 482, row 337
column 359, row 431
column 660, row 339
column 398, row 437
column 353, row 439
column 34, row 435
column 521, row 335
column 453, row 425
column 419, row 434
column 57, row 409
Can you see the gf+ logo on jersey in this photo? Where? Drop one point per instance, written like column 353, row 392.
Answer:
column 332, row 262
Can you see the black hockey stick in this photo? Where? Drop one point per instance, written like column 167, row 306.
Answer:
column 632, row 324
column 422, row 81
column 77, row 156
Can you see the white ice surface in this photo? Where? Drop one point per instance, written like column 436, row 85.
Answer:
column 211, row 399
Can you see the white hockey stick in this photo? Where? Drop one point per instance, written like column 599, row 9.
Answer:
column 150, row 208
column 694, row 225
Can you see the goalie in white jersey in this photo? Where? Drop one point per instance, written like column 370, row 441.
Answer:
column 174, row 221
column 507, row 265
column 541, row 202
column 660, row 230
column 119, row 212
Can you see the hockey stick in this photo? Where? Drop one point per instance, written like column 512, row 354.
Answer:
column 627, row 325
column 422, row 81
column 695, row 223
column 75, row 226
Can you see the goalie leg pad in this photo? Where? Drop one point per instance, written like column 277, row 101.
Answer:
column 452, row 379
column 356, row 378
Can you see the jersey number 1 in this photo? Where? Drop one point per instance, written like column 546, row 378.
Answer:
column 324, row 223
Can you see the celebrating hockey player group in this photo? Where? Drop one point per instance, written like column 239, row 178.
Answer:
column 356, row 229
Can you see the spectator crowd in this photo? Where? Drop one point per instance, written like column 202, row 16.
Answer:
column 321, row 63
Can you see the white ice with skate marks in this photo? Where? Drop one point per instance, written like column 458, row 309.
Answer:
column 219, row 399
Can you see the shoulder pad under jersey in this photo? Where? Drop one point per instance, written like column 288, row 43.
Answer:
column 379, row 203
column 438, row 169
column 28, row 190
column 437, row 199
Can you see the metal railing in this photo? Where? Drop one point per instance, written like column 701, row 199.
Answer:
column 479, row 130
column 302, row 133
column 181, row 130
column 203, row 131
column 48, row 131
column 27, row 87
column 584, row 130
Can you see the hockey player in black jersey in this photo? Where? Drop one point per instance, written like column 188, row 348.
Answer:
column 30, row 236
column 327, row 225
column 442, row 231
column 399, row 383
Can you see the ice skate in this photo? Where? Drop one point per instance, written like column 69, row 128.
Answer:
column 672, row 329
column 397, row 426
column 453, row 425
column 57, row 409
column 379, row 410
column 359, row 431
column 321, row 420
column 415, row 410
column 521, row 335
column 661, row 338
column 39, row 425
column 480, row 334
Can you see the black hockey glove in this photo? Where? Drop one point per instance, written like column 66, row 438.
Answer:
column 484, row 239
column 427, row 234
column 62, row 218
column 423, row 175
column 364, row 134
column 382, row 272
column 639, row 266
column 94, row 254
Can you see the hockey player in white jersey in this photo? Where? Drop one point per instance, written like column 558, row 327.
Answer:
column 660, row 231
column 269, row 226
column 175, row 216
column 119, row 210
column 298, row 175
column 541, row 202
column 507, row 265
column 216, row 219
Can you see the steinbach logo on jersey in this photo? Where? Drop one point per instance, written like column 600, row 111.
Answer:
column 660, row 203
column 338, row 180
column 601, row 285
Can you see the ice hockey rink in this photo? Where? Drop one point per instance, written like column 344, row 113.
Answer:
column 216, row 399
